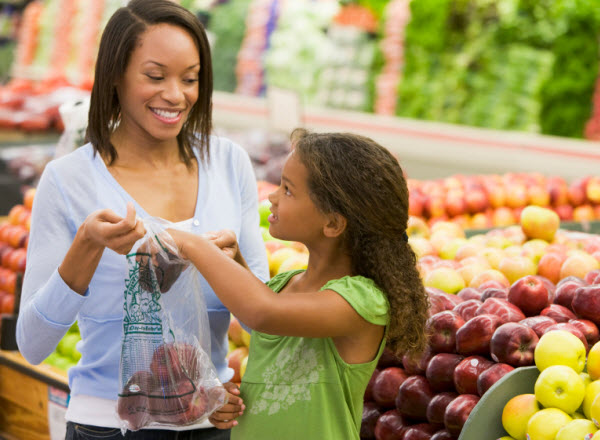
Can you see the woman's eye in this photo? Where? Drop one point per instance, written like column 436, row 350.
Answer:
column 191, row 80
column 154, row 77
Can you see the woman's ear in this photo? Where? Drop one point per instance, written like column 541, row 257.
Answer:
column 335, row 226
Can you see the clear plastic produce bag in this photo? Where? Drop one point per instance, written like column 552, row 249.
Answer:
column 166, row 375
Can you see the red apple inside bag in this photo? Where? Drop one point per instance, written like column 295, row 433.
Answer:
column 167, row 378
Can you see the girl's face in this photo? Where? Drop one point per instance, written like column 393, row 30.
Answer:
column 294, row 215
column 160, row 84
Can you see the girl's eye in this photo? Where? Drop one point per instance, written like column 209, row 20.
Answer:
column 286, row 190
column 191, row 80
column 154, row 78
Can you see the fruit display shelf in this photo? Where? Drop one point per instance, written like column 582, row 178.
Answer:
column 592, row 227
column 429, row 150
column 486, row 417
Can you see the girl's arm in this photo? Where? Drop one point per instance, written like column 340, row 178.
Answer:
column 311, row 314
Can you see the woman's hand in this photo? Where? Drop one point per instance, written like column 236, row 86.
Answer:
column 224, row 418
column 106, row 229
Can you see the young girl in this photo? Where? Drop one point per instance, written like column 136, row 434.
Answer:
column 318, row 333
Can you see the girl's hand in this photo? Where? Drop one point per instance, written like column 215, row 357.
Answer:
column 225, row 240
column 224, row 418
column 106, row 229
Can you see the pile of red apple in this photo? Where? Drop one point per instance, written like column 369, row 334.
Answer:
column 485, row 201
column 171, row 392
column 476, row 337
column 14, row 237
column 491, row 298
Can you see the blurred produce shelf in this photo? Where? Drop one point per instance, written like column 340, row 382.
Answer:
column 429, row 150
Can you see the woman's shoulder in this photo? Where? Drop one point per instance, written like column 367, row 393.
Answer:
column 223, row 150
column 76, row 161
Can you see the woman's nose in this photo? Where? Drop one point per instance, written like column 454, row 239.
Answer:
column 173, row 91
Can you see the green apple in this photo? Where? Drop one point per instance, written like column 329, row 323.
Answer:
column 517, row 412
column 576, row 430
column 264, row 211
column 74, row 328
column 591, row 391
column 545, row 424
column 560, row 347
column 560, row 387
column 444, row 278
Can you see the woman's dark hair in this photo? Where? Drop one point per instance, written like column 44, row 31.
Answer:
column 119, row 39
column 354, row 176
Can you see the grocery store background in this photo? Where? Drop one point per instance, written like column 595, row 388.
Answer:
column 489, row 105
column 471, row 87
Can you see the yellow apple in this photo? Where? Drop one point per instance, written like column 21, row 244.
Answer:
column 235, row 331
column 449, row 249
column 595, row 411
column 444, row 278
column 577, row 415
column 545, row 424
column 536, row 247
column 596, row 436
column 593, row 361
column 539, row 222
column 245, row 338
column 470, row 271
column 296, row 261
column 560, row 387
column 278, row 257
column 417, row 227
column 506, row 437
column 591, row 391
column 560, row 347
column 448, row 228
column 243, row 366
column 516, row 267
column 516, row 414
column 576, row 430
column 578, row 264
column 421, row 246
column 489, row 275
column 231, row 346
column 493, row 256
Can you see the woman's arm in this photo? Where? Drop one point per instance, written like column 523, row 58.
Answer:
column 51, row 297
column 312, row 314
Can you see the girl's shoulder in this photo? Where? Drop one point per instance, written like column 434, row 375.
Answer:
column 280, row 280
column 364, row 296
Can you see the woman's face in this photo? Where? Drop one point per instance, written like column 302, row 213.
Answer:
column 160, row 84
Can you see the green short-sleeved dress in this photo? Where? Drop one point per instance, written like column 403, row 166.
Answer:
column 300, row 388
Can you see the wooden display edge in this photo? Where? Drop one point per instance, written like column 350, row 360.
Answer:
column 44, row 373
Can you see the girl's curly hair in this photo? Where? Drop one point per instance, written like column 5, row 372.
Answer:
column 354, row 176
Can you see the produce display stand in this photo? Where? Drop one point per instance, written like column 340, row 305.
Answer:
column 588, row 227
column 486, row 417
column 25, row 392
column 428, row 150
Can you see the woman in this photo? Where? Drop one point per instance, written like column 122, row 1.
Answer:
column 150, row 153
